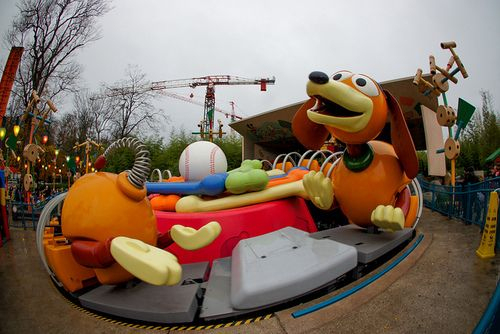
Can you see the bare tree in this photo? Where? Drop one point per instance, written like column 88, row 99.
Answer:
column 102, row 116
column 52, row 31
column 132, row 104
column 65, row 132
column 92, row 115
column 83, row 115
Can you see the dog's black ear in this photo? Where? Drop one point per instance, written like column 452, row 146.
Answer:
column 401, row 138
column 308, row 133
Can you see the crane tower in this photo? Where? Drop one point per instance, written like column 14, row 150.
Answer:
column 206, row 126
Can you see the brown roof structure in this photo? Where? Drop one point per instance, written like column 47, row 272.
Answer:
column 270, row 133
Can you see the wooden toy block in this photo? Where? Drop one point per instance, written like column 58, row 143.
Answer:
column 440, row 84
column 51, row 106
column 450, row 63
column 423, row 85
column 432, row 64
column 451, row 46
column 451, row 148
column 447, row 74
column 446, row 116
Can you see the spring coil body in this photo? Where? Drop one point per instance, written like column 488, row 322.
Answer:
column 142, row 164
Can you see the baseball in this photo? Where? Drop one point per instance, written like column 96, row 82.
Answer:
column 200, row 159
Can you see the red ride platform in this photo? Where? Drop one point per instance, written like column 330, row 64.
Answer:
column 237, row 224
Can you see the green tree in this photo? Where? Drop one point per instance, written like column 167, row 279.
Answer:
column 166, row 156
column 482, row 135
column 178, row 141
column 231, row 146
column 422, row 162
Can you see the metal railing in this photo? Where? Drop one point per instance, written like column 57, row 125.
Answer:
column 26, row 215
column 468, row 203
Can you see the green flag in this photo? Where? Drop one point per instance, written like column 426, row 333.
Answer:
column 465, row 112
column 11, row 142
column 72, row 164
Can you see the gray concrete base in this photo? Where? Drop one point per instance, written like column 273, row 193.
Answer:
column 285, row 264
column 145, row 302
column 370, row 246
column 216, row 302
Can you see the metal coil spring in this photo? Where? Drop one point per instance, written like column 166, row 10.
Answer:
column 165, row 175
column 142, row 164
column 328, row 157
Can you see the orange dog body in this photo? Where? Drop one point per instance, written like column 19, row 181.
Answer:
column 358, row 194
column 372, row 174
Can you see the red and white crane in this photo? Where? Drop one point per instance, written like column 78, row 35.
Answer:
column 206, row 126
column 190, row 99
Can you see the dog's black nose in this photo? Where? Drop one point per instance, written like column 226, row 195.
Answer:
column 318, row 77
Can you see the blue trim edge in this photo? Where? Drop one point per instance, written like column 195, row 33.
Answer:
column 351, row 291
column 489, row 320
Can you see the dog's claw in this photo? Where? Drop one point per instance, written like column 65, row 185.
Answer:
column 148, row 263
column 388, row 217
column 319, row 188
column 191, row 239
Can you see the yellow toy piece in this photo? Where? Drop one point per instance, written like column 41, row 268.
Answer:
column 190, row 239
column 388, row 217
column 275, row 172
column 148, row 263
column 320, row 189
column 196, row 204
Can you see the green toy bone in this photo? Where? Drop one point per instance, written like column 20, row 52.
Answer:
column 248, row 177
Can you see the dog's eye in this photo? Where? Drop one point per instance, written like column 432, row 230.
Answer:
column 365, row 85
column 342, row 75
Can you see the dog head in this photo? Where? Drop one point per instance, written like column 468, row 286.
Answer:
column 352, row 108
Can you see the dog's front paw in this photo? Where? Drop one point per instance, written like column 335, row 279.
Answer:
column 191, row 239
column 146, row 262
column 319, row 188
column 388, row 217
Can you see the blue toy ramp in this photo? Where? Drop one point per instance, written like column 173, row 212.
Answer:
column 284, row 264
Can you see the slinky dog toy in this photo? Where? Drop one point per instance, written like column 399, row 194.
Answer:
column 369, row 183
column 111, row 227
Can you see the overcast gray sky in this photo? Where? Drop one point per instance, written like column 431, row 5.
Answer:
column 288, row 39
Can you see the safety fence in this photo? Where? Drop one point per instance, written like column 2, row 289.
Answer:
column 26, row 215
column 466, row 202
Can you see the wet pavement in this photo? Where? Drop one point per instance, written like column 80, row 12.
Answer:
column 441, row 287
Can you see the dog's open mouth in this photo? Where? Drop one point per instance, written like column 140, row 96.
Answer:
column 329, row 108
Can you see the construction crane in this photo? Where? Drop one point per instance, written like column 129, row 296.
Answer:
column 206, row 126
column 228, row 114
